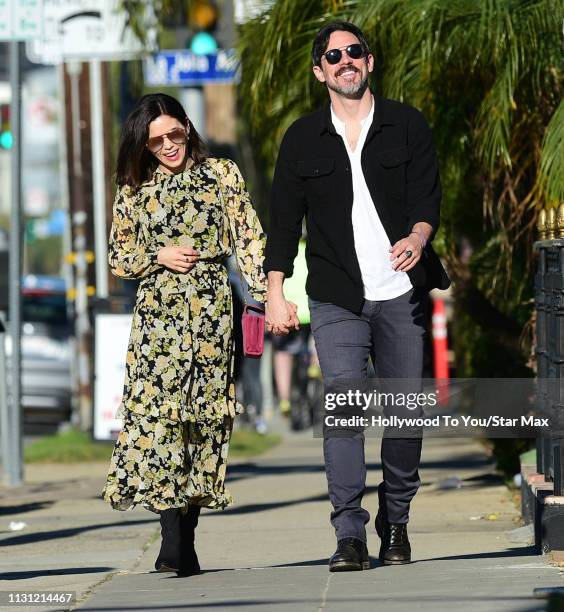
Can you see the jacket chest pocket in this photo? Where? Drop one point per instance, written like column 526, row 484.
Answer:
column 393, row 169
column 318, row 177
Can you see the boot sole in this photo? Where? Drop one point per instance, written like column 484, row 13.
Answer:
column 387, row 562
column 350, row 567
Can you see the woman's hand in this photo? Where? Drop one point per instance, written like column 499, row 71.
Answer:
column 179, row 259
column 281, row 315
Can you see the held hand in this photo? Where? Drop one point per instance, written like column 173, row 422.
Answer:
column 405, row 253
column 280, row 315
column 179, row 259
column 294, row 321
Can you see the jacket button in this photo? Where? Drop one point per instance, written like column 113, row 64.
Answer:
column 316, row 171
column 347, row 169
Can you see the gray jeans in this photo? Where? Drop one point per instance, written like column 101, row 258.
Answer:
column 391, row 333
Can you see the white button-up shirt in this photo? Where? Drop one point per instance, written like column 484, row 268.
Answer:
column 372, row 246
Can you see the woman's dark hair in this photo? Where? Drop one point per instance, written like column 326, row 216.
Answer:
column 135, row 164
column 322, row 38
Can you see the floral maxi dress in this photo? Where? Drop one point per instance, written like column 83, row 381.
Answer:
column 179, row 401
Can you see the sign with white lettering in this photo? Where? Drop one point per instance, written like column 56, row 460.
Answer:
column 20, row 19
column 186, row 68
column 85, row 30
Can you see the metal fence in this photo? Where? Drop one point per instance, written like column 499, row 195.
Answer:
column 549, row 304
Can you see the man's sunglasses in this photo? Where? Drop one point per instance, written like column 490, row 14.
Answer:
column 177, row 136
column 354, row 51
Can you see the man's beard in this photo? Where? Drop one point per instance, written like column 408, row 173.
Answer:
column 353, row 91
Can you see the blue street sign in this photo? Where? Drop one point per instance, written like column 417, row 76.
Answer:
column 187, row 68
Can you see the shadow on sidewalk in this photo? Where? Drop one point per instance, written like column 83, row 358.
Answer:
column 375, row 563
column 526, row 551
column 280, row 467
column 30, row 507
column 67, row 571
column 245, row 509
column 42, row 536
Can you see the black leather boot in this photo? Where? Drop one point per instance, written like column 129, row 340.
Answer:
column 395, row 548
column 351, row 555
column 169, row 555
column 189, row 565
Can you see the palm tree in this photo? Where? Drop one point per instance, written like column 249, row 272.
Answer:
column 487, row 74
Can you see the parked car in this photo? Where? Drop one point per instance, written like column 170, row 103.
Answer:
column 46, row 351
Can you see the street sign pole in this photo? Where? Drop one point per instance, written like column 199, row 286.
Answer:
column 19, row 20
column 14, row 471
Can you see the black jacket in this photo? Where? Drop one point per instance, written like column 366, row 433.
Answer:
column 313, row 178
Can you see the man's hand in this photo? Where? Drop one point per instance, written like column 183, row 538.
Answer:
column 400, row 253
column 179, row 259
column 281, row 315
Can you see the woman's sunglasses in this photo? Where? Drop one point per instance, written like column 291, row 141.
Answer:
column 354, row 51
column 177, row 136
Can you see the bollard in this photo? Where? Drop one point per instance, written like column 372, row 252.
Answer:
column 440, row 348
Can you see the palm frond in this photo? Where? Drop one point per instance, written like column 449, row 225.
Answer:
column 551, row 173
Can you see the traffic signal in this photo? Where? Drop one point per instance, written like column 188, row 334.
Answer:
column 203, row 15
column 6, row 138
column 203, row 19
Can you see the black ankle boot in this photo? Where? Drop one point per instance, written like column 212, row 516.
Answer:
column 189, row 565
column 169, row 555
column 351, row 555
column 395, row 548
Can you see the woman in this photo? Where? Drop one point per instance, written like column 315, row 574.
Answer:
column 177, row 216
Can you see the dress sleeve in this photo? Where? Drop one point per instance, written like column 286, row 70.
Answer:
column 247, row 235
column 129, row 256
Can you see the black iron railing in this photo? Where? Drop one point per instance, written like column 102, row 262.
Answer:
column 549, row 304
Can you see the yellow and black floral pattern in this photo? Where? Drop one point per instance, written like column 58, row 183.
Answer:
column 179, row 399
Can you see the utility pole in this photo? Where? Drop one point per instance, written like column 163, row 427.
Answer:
column 80, row 256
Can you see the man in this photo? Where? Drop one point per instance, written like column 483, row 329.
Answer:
column 364, row 173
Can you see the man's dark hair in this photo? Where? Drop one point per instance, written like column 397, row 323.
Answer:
column 322, row 38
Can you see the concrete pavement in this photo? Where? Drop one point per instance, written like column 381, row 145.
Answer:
column 270, row 550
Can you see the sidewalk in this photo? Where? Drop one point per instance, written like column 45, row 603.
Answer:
column 270, row 550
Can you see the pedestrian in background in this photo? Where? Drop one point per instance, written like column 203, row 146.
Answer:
column 363, row 171
column 295, row 345
column 177, row 216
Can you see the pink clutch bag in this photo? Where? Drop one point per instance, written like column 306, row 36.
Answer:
column 252, row 322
